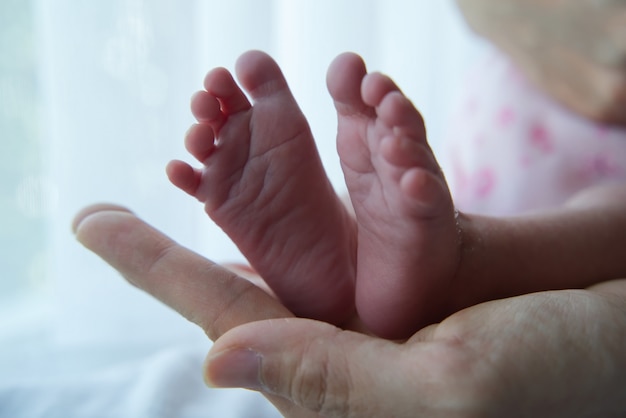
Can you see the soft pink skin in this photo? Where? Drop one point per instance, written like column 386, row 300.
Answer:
column 408, row 243
column 263, row 183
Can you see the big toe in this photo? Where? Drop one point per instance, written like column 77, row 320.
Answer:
column 344, row 79
column 259, row 74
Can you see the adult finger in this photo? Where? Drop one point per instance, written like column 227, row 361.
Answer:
column 555, row 353
column 213, row 297
column 336, row 373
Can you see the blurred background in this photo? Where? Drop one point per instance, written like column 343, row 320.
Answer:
column 94, row 101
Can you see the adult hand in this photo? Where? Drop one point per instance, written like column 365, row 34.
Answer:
column 574, row 50
column 206, row 294
column 552, row 354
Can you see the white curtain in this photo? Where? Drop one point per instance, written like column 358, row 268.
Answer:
column 116, row 77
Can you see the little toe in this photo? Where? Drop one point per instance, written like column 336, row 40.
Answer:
column 183, row 176
column 426, row 190
column 260, row 75
column 221, row 84
column 200, row 141
column 344, row 79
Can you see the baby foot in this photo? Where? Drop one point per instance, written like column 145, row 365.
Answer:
column 408, row 243
column 263, row 183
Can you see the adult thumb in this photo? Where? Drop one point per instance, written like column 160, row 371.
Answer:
column 319, row 368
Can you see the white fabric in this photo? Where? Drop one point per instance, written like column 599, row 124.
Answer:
column 165, row 385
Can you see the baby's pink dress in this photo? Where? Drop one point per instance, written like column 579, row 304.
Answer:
column 510, row 149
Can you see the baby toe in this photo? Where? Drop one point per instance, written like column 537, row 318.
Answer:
column 200, row 141
column 221, row 84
